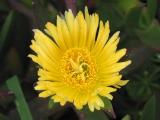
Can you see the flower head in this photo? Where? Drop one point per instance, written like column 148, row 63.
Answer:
column 78, row 61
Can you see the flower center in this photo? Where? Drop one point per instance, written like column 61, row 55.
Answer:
column 78, row 67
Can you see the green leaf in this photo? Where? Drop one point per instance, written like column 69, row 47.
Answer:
column 107, row 104
column 126, row 117
column 138, row 90
column 109, row 10
column 133, row 17
column 152, row 6
column 108, row 108
column 151, row 36
column 51, row 104
column 96, row 115
column 5, row 29
column 149, row 112
column 126, row 5
column 148, row 14
column 22, row 107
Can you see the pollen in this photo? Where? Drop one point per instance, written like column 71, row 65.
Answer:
column 78, row 67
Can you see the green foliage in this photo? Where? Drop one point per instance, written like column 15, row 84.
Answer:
column 126, row 117
column 51, row 104
column 149, row 112
column 132, row 18
column 126, row 5
column 151, row 36
column 148, row 13
column 109, row 11
column 143, row 85
column 108, row 108
column 22, row 107
column 107, row 104
column 96, row 115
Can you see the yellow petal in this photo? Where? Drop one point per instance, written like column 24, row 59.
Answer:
column 109, row 96
column 122, row 82
column 82, row 29
column 45, row 94
column 111, row 80
column 92, row 29
column 115, row 67
column 105, row 90
column 115, row 57
column 75, row 33
column 102, row 38
column 48, row 76
column 69, row 17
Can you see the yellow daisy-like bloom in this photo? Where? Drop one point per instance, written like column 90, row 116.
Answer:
column 78, row 63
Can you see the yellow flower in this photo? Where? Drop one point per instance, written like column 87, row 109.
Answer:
column 78, row 63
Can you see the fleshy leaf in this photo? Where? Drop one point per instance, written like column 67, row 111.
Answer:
column 149, row 112
column 22, row 107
